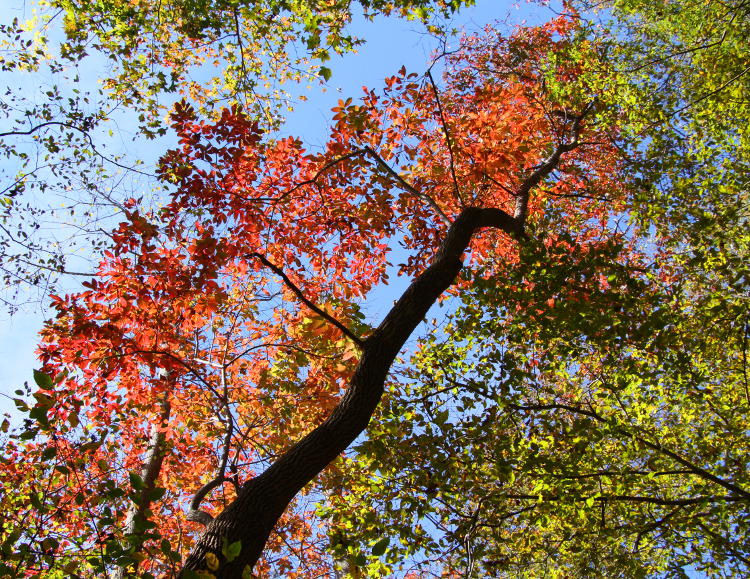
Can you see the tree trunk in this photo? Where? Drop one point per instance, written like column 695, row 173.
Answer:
column 251, row 517
column 149, row 474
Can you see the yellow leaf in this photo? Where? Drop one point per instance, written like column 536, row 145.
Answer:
column 212, row 561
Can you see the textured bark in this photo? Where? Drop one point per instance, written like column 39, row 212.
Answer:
column 149, row 474
column 250, row 518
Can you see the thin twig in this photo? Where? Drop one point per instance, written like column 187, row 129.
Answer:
column 196, row 514
column 710, row 94
column 323, row 169
column 241, row 48
column 447, row 136
column 85, row 134
column 678, row 53
column 298, row 292
column 406, row 185
column 627, row 498
column 745, row 334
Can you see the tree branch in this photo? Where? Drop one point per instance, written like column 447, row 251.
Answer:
column 708, row 94
column 628, row 498
column 138, row 510
column 406, row 185
column 298, row 292
column 251, row 517
column 367, row 150
column 195, row 514
column 547, row 166
column 85, row 134
column 703, row 473
column 323, row 169
column 447, row 136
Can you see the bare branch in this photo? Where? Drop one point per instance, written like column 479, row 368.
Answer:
column 406, row 185
column 298, row 292
column 447, row 136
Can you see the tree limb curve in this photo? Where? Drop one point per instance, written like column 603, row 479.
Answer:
column 251, row 517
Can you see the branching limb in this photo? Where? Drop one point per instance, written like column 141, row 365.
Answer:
column 547, row 166
column 367, row 150
column 651, row 527
column 153, row 461
column 260, row 502
column 745, row 336
column 195, row 514
column 694, row 468
column 319, row 172
column 692, row 103
column 301, row 296
column 84, row 133
column 629, row 499
column 724, row 541
column 683, row 52
column 241, row 49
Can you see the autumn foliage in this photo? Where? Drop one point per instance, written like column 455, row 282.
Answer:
column 222, row 326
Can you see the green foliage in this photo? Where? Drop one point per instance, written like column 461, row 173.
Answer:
column 583, row 412
column 157, row 46
column 583, row 438
column 683, row 88
column 230, row 551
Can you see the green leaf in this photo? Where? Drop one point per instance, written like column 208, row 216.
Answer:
column 43, row 380
column 39, row 414
column 156, row 493
column 231, row 551
column 360, row 560
column 136, row 481
column 380, row 547
column 36, row 501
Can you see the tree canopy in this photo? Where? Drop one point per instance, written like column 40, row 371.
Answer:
column 109, row 73
column 568, row 202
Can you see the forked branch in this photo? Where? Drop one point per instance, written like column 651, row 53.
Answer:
column 548, row 165
column 406, row 185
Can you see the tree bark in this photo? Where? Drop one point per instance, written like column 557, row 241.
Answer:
column 251, row 517
column 149, row 474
